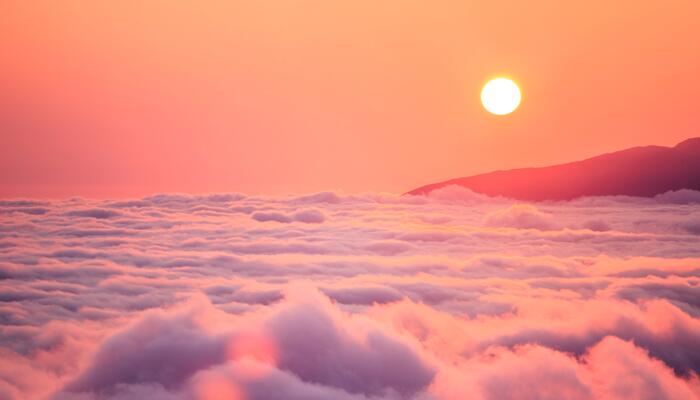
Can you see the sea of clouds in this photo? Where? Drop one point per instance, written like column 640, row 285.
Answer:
column 358, row 297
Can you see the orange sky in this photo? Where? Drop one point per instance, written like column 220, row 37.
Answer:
column 130, row 98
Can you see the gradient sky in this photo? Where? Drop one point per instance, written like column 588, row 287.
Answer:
column 130, row 98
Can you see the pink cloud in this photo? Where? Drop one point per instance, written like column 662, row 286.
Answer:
column 364, row 296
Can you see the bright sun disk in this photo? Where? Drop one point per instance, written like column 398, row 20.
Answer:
column 500, row 96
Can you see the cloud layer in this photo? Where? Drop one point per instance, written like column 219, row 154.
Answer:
column 365, row 296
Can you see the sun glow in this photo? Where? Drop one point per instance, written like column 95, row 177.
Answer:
column 500, row 96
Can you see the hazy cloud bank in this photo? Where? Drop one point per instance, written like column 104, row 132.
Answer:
column 363, row 296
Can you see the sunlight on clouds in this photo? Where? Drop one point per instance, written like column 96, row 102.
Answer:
column 361, row 296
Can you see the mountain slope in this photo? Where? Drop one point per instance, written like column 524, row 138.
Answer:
column 639, row 171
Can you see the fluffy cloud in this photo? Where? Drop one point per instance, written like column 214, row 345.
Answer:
column 522, row 216
column 307, row 216
column 366, row 296
column 304, row 345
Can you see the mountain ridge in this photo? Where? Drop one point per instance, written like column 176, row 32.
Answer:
column 643, row 171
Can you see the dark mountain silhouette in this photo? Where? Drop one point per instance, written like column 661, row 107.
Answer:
column 639, row 171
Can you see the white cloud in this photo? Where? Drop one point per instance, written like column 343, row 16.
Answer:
column 446, row 292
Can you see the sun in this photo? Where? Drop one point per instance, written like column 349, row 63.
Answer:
column 500, row 96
